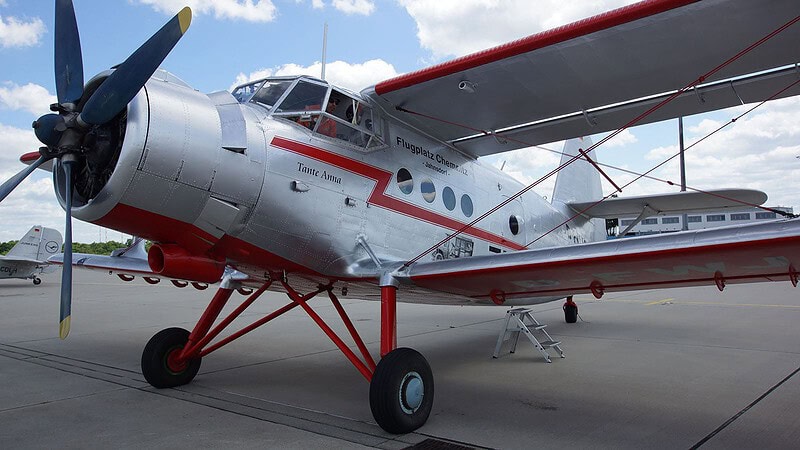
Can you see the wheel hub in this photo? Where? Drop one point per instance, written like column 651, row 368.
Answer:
column 174, row 363
column 412, row 390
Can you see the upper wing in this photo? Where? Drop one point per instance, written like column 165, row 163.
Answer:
column 598, row 74
column 767, row 251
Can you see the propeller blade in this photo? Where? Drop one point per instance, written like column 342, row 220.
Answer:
column 14, row 181
column 68, row 59
column 66, row 271
column 121, row 86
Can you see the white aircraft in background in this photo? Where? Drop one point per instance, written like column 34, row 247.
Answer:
column 28, row 258
column 310, row 189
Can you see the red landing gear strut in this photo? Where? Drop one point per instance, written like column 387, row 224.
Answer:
column 401, row 384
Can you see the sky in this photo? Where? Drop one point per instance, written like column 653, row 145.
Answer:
column 232, row 41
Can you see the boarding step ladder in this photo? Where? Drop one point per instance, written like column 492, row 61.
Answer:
column 521, row 320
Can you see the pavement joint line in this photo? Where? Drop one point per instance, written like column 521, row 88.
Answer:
column 744, row 410
column 56, row 357
column 283, row 410
column 278, row 415
column 48, row 402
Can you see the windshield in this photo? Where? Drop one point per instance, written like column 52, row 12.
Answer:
column 243, row 93
column 266, row 92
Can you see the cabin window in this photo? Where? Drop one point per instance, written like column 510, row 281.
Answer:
column 428, row 190
column 270, row 93
column 513, row 225
column 404, row 181
column 466, row 205
column 449, row 198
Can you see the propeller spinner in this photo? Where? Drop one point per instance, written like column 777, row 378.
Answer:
column 71, row 135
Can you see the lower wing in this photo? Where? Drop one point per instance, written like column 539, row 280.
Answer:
column 741, row 254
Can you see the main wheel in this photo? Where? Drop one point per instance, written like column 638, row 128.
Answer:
column 159, row 359
column 37, row 281
column 401, row 391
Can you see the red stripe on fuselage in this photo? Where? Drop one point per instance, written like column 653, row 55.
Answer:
column 378, row 195
column 155, row 227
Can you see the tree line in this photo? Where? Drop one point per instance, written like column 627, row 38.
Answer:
column 95, row 248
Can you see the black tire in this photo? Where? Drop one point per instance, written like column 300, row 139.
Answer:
column 155, row 367
column 399, row 373
column 37, row 281
column 570, row 313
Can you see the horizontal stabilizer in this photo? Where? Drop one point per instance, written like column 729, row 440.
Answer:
column 676, row 203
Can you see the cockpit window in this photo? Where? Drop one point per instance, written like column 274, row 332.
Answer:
column 313, row 104
column 304, row 97
column 266, row 93
column 271, row 92
column 244, row 93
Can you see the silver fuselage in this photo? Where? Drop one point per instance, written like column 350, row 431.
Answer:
column 214, row 175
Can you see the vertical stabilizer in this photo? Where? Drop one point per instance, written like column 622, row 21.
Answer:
column 39, row 243
column 579, row 181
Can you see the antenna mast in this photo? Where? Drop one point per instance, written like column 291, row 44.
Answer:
column 324, row 48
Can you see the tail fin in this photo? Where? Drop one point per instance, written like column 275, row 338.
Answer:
column 39, row 243
column 579, row 181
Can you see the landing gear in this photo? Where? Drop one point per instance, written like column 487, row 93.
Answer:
column 401, row 391
column 37, row 281
column 160, row 364
column 570, row 311
column 401, row 384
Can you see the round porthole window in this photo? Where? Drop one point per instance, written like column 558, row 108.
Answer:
column 466, row 205
column 514, row 224
column 428, row 190
column 449, row 198
column 404, row 181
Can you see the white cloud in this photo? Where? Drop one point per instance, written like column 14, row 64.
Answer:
column 15, row 32
column 759, row 151
column 360, row 7
column 30, row 97
column 248, row 10
column 349, row 76
column 458, row 27
column 15, row 142
column 623, row 139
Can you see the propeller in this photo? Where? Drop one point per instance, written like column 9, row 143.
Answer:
column 71, row 134
column 65, row 310
column 14, row 181
column 68, row 59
